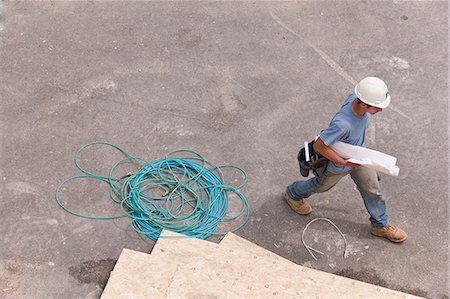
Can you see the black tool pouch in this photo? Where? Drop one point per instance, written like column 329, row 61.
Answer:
column 317, row 163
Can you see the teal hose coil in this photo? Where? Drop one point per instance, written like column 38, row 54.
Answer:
column 182, row 192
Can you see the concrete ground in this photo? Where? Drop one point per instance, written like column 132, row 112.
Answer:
column 241, row 83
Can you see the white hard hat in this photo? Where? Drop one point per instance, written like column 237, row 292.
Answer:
column 373, row 91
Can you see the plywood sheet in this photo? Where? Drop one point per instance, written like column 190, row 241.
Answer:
column 212, row 275
column 134, row 276
column 181, row 267
column 139, row 274
column 246, row 272
column 283, row 278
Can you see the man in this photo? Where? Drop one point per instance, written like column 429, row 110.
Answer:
column 349, row 125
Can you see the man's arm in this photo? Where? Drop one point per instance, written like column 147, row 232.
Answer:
column 331, row 155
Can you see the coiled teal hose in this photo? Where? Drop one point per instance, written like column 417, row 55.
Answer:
column 192, row 199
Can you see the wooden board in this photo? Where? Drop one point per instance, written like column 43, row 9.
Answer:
column 139, row 274
column 185, row 267
column 283, row 278
column 134, row 276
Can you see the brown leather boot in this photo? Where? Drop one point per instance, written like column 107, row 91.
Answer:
column 301, row 207
column 390, row 232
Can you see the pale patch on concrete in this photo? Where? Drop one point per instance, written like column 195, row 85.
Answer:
column 166, row 127
column 231, row 102
column 356, row 248
column 22, row 187
column 42, row 123
column 394, row 62
column 83, row 228
column 100, row 85
column 45, row 221
column 52, row 222
column 181, row 131
column 398, row 62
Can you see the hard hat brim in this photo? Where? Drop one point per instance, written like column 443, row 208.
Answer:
column 385, row 103
column 382, row 105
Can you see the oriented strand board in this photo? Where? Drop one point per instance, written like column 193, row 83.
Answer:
column 213, row 276
column 243, row 272
column 176, row 248
column 173, row 251
column 283, row 278
column 134, row 276
column 198, row 261
column 139, row 274
column 182, row 267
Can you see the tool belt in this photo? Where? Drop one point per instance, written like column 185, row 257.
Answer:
column 310, row 160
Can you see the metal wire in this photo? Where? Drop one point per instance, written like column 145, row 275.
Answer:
column 310, row 249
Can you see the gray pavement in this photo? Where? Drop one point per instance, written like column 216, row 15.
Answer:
column 241, row 83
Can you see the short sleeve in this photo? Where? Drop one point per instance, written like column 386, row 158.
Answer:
column 335, row 132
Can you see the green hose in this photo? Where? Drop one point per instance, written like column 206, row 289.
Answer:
column 193, row 200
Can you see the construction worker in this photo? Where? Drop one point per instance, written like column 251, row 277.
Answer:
column 349, row 125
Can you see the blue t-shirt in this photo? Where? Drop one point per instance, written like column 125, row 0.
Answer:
column 346, row 127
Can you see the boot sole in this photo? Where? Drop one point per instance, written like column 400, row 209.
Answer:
column 383, row 236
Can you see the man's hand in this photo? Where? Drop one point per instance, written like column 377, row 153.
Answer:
column 351, row 164
column 327, row 152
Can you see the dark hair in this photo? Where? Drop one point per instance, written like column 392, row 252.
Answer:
column 361, row 102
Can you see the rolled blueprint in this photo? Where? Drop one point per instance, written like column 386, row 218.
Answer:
column 367, row 157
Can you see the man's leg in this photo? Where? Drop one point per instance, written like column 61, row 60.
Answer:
column 304, row 189
column 297, row 191
column 366, row 180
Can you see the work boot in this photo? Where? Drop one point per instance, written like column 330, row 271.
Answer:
column 389, row 232
column 301, row 207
